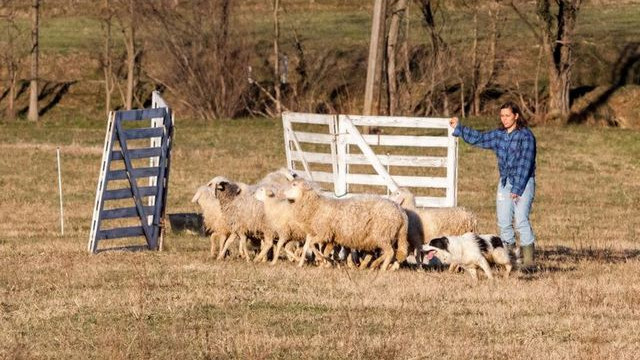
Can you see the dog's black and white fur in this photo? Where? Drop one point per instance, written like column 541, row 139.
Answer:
column 470, row 251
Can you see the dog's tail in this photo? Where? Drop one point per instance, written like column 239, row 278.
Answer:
column 403, row 239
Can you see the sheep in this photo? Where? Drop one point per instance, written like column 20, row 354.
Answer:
column 280, row 177
column 429, row 223
column 279, row 215
column 246, row 217
column 362, row 223
column 214, row 220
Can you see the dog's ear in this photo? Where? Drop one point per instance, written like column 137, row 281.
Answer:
column 496, row 242
column 440, row 243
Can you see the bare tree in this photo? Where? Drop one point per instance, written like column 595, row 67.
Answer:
column 11, row 53
column 374, row 63
column 392, row 41
column 555, row 31
column 107, row 59
column 128, row 22
column 276, row 53
column 558, row 45
column 483, row 64
column 33, row 93
column 200, row 67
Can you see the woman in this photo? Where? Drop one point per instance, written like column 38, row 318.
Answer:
column 515, row 148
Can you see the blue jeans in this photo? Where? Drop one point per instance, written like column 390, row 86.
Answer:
column 506, row 208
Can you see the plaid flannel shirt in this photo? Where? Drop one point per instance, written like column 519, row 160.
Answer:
column 516, row 152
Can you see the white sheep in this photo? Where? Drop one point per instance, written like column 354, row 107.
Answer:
column 245, row 215
column 214, row 220
column 279, row 214
column 217, row 221
column 362, row 223
column 429, row 223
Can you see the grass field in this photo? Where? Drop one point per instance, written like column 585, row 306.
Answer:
column 57, row 301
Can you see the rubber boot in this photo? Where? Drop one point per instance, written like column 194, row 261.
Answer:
column 528, row 258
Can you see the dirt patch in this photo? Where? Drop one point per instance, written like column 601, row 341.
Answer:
column 606, row 107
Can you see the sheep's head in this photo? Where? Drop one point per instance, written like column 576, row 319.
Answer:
column 296, row 189
column 404, row 198
column 226, row 189
column 213, row 182
column 263, row 193
column 202, row 190
column 289, row 174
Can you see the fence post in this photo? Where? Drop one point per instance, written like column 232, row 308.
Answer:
column 341, row 187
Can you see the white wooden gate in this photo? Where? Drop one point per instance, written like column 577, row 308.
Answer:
column 417, row 153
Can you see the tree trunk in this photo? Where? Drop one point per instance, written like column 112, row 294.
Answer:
column 33, row 94
column 276, row 51
column 558, row 48
column 481, row 79
column 375, row 56
column 10, row 112
column 475, row 67
column 130, row 36
column 107, row 62
column 391, row 55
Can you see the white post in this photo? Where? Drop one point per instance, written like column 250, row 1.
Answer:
column 452, row 169
column 60, row 190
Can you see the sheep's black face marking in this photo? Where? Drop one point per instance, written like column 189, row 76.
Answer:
column 482, row 244
column 440, row 243
column 220, row 187
column 496, row 242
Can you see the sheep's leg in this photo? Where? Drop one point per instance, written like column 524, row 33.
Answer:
column 305, row 247
column 244, row 249
column 227, row 243
column 292, row 253
column 384, row 258
column 328, row 249
column 387, row 254
column 214, row 244
column 267, row 244
column 222, row 240
column 350, row 263
column 365, row 262
column 276, row 253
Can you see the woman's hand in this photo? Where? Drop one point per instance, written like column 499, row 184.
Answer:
column 453, row 122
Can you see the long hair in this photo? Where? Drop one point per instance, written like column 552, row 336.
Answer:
column 521, row 122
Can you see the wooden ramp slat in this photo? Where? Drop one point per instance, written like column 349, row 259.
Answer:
column 136, row 173
column 142, row 114
column 126, row 212
column 126, row 193
column 120, row 232
column 144, row 133
column 137, row 153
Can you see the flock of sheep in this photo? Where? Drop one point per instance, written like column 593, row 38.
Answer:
column 284, row 215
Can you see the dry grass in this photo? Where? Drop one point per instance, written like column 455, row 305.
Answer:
column 56, row 301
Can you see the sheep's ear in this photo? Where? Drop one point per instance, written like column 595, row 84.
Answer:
column 269, row 192
column 221, row 185
column 306, row 185
column 238, row 190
